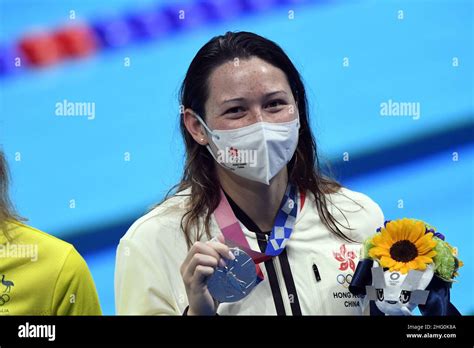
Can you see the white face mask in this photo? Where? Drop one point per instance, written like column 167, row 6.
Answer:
column 256, row 152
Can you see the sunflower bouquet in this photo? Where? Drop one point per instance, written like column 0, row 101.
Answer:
column 405, row 264
column 409, row 244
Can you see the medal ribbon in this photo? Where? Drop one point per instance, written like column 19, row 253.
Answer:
column 281, row 231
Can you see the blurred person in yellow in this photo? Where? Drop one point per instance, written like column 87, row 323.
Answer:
column 39, row 274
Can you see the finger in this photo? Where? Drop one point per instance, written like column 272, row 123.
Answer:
column 223, row 250
column 200, row 260
column 200, row 248
column 202, row 273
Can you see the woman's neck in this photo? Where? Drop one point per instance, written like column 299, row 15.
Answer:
column 259, row 201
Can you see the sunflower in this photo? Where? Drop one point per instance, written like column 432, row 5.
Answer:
column 403, row 245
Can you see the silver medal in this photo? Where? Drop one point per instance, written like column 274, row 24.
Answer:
column 235, row 281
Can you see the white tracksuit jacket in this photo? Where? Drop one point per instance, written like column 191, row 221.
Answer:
column 149, row 256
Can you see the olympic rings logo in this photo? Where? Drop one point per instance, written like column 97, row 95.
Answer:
column 4, row 299
column 344, row 280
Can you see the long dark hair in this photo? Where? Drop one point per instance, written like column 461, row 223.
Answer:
column 199, row 171
column 7, row 211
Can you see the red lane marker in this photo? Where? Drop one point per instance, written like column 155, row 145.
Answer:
column 77, row 41
column 40, row 49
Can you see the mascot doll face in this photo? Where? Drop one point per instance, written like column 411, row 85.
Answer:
column 396, row 293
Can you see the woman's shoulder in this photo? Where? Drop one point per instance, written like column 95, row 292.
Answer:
column 161, row 222
column 363, row 214
column 347, row 198
column 49, row 252
column 19, row 233
column 42, row 257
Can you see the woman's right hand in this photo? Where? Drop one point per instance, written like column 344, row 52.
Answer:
column 198, row 266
